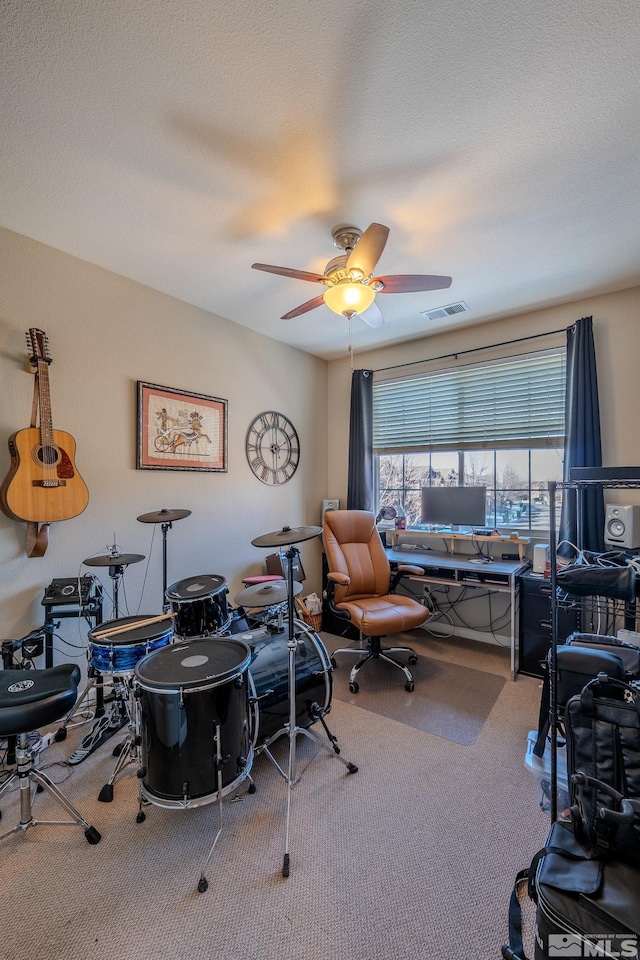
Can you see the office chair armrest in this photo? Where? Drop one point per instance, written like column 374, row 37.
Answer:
column 401, row 570
column 414, row 571
column 340, row 578
column 332, row 580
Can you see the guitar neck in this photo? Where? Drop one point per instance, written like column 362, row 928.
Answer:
column 44, row 400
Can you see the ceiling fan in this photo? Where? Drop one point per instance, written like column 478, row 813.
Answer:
column 351, row 286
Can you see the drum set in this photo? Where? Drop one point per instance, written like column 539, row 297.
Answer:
column 205, row 690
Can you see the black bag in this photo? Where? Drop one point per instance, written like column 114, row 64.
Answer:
column 585, row 907
column 602, row 727
column 629, row 653
column 575, row 667
column 594, row 580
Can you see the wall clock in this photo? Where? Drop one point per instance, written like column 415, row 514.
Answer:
column 273, row 448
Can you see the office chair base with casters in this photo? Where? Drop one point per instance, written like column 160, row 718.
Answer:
column 30, row 699
column 375, row 651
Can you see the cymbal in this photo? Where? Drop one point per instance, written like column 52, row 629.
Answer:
column 164, row 516
column 285, row 536
column 266, row 594
column 113, row 559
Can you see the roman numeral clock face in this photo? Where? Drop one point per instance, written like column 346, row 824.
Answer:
column 273, row 448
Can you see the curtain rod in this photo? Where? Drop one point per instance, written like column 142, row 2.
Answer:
column 461, row 353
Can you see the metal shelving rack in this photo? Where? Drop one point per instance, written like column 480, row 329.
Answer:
column 604, row 478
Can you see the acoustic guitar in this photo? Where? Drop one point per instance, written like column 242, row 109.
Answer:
column 43, row 484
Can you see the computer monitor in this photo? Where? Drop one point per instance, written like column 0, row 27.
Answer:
column 454, row 507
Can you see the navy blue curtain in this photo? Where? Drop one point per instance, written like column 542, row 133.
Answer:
column 360, row 476
column 583, row 446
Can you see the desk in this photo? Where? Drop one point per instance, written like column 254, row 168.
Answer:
column 450, row 538
column 448, row 569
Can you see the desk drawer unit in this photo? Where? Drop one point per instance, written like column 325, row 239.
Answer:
column 535, row 623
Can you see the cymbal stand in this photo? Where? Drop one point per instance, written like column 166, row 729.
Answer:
column 116, row 572
column 290, row 729
column 165, row 527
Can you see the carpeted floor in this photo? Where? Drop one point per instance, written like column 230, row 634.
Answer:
column 413, row 856
column 453, row 700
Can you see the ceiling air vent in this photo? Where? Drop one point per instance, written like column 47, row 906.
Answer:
column 441, row 313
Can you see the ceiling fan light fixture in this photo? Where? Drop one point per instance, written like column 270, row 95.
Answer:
column 348, row 298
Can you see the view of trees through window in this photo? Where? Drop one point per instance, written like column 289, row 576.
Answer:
column 516, row 482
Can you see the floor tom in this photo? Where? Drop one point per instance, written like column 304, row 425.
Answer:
column 189, row 695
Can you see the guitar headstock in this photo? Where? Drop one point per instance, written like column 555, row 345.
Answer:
column 38, row 346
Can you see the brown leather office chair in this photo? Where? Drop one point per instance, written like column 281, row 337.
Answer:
column 359, row 589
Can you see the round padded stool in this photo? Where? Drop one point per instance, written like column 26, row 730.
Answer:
column 30, row 699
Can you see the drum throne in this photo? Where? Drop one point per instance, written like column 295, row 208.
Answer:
column 30, row 699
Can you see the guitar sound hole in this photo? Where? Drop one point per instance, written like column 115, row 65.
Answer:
column 48, row 456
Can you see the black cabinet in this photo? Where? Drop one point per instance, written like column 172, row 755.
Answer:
column 535, row 623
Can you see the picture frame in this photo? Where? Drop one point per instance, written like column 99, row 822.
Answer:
column 180, row 430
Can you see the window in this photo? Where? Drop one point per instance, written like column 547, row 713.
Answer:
column 498, row 424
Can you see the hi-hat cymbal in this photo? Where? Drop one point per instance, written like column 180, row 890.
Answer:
column 113, row 559
column 286, row 535
column 266, row 594
column 164, row 516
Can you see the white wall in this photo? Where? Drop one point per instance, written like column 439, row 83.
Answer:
column 616, row 324
column 105, row 333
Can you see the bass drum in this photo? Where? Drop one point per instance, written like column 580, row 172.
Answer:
column 187, row 693
column 200, row 606
column 269, row 679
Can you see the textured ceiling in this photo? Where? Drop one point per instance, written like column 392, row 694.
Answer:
column 178, row 141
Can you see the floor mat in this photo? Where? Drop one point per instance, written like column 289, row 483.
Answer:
column 449, row 700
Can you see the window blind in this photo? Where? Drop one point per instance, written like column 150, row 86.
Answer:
column 511, row 403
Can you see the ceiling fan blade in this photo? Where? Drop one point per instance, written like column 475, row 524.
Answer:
column 411, row 283
column 289, row 272
column 304, row 308
column 368, row 249
column 372, row 315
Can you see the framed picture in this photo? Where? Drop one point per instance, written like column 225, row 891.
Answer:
column 179, row 430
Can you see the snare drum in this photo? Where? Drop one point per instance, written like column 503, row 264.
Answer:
column 189, row 695
column 200, row 606
column 269, row 679
column 119, row 653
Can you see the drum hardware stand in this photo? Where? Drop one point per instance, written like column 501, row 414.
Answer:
column 165, row 518
column 106, row 726
column 116, row 573
column 290, row 729
column 127, row 751
column 61, row 733
column 203, row 883
column 165, row 527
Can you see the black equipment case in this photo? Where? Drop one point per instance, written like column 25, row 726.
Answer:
column 586, row 881
column 576, row 665
column 629, row 653
column 585, row 907
column 602, row 725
